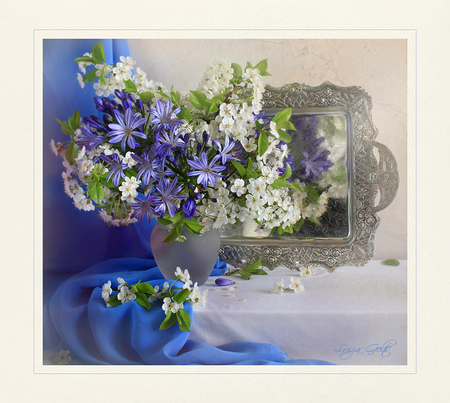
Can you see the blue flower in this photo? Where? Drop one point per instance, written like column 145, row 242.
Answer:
column 116, row 168
column 168, row 192
column 164, row 116
column 317, row 164
column 227, row 152
column 147, row 167
column 89, row 139
column 142, row 208
column 170, row 141
column 206, row 172
column 124, row 129
column 189, row 207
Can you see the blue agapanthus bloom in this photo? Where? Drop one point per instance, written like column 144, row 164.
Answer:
column 147, row 167
column 168, row 142
column 228, row 152
column 207, row 172
column 125, row 128
column 142, row 208
column 116, row 168
column 165, row 117
column 88, row 139
column 168, row 194
column 189, row 208
column 315, row 165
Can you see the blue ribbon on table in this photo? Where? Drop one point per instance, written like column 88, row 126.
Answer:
column 75, row 314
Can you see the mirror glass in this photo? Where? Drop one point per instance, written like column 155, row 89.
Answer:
column 321, row 158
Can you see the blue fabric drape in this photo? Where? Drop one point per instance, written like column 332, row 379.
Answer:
column 74, row 311
column 129, row 334
column 74, row 239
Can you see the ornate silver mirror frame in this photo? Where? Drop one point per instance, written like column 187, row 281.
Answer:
column 373, row 183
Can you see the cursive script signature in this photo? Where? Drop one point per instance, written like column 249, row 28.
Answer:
column 345, row 352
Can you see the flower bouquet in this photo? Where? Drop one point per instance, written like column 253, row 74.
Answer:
column 198, row 160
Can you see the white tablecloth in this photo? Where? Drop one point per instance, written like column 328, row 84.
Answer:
column 355, row 315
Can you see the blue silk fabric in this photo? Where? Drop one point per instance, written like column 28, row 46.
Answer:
column 74, row 311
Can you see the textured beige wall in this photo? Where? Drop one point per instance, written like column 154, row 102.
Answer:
column 377, row 65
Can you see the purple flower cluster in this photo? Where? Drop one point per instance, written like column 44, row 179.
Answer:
column 313, row 160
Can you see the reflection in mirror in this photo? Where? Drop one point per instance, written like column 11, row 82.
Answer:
column 320, row 159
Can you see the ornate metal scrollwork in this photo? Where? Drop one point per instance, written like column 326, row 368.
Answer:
column 374, row 184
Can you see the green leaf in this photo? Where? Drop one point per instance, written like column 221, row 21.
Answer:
column 390, row 262
column 184, row 320
column 253, row 266
column 199, row 100
column 283, row 136
column 174, row 233
column 169, row 321
column 245, row 274
column 130, row 86
column 102, row 77
column 74, row 121
column 237, row 70
column 65, row 128
column 146, row 96
column 249, row 168
column 84, row 59
column 119, row 213
column 145, row 288
column 114, row 301
column 314, row 220
column 283, row 116
column 263, row 143
column 98, row 52
column 287, row 173
column 164, row 221
column 143, row 301
column 90, row 76
column 249, row 66
column 280, row 183
column 259, row 272
column 286, row 125
column 193, row 225
column 95, row 191
column 71, row 152
column 181, row 296
column 299, row 224
column 262, row 66
column 239, row 167
column 184, row 114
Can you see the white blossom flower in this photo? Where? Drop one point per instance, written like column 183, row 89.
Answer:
column 121, row 282
column 62, row 358
column 296, row 285
column 196, row 297
column 126, row 294
column 106, row 291
column 278, row 287
column 170, row 305
column 184, row 276
column 306, row 271
column 128, row 188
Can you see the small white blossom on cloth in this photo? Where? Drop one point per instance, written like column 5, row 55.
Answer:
column 296, row 285
column 170, row 305
column 106, row 291
column 307, row 272
column 121, row 282
column 196, row 297
column 126, row 294
column 278, row 287
column 62, row 358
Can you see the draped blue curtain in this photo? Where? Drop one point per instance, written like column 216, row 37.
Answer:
column 74, row 239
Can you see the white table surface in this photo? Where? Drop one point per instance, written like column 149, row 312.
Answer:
column 355, row 315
